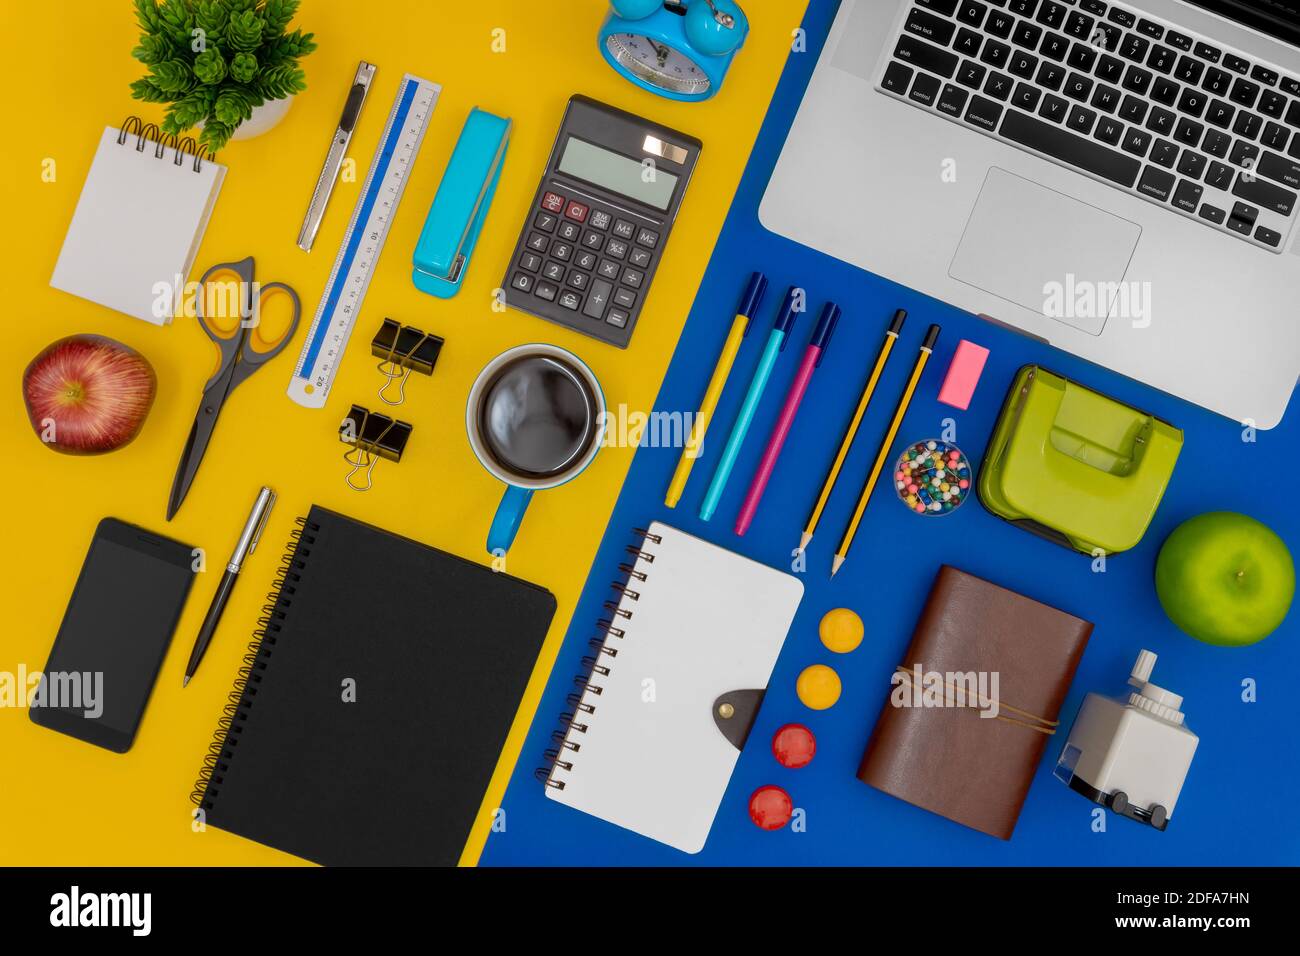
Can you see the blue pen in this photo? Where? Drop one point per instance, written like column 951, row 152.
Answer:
column 775, row 346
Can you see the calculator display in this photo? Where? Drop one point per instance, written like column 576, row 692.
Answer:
column 613, row 171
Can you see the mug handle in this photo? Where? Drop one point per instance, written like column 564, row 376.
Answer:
column 505, row 523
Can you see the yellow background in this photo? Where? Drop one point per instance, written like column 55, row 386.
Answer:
column 66, row 802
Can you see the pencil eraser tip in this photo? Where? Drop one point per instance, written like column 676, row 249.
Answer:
column 963, row 374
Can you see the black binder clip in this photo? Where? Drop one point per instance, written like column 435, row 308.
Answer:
column 404, row 349
column 372, row 436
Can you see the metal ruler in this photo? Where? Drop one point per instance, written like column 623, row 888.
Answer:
column 363, row 242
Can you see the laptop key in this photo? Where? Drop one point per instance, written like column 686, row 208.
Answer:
column 1272, row 103
column 1023, row 64
column 1137, row 80
column 897, row 77
column 1027, row 35
column 952, row 100
column 1276, row 136
column 1192, row 165
column 1085, row 154
column 1106, row 98
column 926, row 89
column 1235, row 63
column 1026, row 97
column 1051, row 14
column 971, row 74
column 1055, row 47
column 1082, row 57
column 1164, row 91
column 1268, row 236
column 1279, row 169
column 1151, row 29
column 1244, row 92
column 1295, row 146
column 1192, row 102
column 1162, row 59
column 1000, row 24
column 1109, row 131
column 1137, row 142
column 935, row 29
column 1217, row 143
column 1219, row 114
column 995, row 54
column 1179, row 40
column 1054, row 108
column 983, row 113
column 1217, row 82
column 1207, row 52
column 1051, row 76
column 1247, row 125
column 1023, row 8
column 968, row 43
column 1122, row 17
column 946, row 7
column 1244, row 154
column 1212, row 214
column 1219, row 176
column 1188, row 132
column 1078, row 87
column 1133, row 109
column 1262, row 193
column 1161, row 121
column 999, row 86
column 1293, row 114
column 1165, row 153
column 1156, row 183
column 972, row 12
column 926, row 56
column 1080, row 120
column 1264, row 75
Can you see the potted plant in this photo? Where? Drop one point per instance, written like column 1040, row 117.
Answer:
column 222, row 65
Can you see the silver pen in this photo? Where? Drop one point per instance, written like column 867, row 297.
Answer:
column 245, row 546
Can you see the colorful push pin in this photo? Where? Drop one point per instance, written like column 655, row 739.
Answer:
column 793, row 746
column 818, row 687
column 841, row 630
column 770, row 808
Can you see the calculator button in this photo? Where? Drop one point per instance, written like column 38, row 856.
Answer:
column 593, row 240
column 530, row 262
column 537, row 242
column 586, row 261
column 569, row 232
column 624, row 229
column 553, row 271
column 561, row 250
column 633, row 278
column 609, row 269
column 617, row 318
column 600, row 220
column 625, row 298
column 616, row 248
column 547, row 291
column 576, row 211
column 570, row 300
column 597, row 300
column 545, row 222
column 639, row 257
column 522, row 281
column 553, row 202
column 578, row 279
column 647, row 238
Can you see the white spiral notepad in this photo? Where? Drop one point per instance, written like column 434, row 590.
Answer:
column 642, row 748
column 142, row 213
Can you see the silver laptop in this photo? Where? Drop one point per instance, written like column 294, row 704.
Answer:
column 1117, row 179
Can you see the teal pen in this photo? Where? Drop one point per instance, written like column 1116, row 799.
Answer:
column 775, row 346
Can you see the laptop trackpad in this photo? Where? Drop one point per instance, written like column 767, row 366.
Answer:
column 1046, row 251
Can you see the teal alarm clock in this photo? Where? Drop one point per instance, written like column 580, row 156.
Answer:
column 680, row 49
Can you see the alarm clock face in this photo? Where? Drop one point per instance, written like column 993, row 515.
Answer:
column 657, row 64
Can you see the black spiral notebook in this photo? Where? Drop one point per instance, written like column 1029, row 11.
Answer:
column 374, row 701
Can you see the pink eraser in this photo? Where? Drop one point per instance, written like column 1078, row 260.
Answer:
column 963, row 374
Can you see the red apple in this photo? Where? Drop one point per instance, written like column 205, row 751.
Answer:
column 88, row 394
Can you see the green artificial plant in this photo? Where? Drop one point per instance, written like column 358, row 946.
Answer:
column 213, row 61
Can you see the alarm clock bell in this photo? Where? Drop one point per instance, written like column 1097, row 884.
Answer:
column 679, row 49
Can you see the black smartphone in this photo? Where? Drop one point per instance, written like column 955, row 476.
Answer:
column 115, row 633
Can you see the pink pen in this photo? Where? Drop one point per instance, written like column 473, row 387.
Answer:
column 812, row 357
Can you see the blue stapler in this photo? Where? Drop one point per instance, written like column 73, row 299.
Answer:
column 447, row 240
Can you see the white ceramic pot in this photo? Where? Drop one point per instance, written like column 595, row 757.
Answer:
column 264, row 118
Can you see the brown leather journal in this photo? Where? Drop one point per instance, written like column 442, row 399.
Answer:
column 978, row 650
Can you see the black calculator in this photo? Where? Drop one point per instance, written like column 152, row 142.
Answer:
column 600, row 220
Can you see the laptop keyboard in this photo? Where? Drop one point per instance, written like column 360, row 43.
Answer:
column 1136, row 102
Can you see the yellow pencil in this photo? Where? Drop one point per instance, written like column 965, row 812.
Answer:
column 749, row 303
column 810, row 527
column 926, row 348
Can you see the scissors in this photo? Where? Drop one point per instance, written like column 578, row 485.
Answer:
column 229, row 308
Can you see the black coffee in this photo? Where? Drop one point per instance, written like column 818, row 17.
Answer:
column 537, row 416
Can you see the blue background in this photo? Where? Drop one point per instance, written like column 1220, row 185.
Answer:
column 1237, row 804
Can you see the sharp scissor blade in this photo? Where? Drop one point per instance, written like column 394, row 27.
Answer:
column 195, row 447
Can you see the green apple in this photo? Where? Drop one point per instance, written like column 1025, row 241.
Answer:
column 1225, row 578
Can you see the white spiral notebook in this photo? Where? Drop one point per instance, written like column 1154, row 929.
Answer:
column 674, row 686
column 142, row 213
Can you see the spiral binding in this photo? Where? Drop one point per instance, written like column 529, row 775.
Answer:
column 233, row 715
column 595, row 665
column 150, row 133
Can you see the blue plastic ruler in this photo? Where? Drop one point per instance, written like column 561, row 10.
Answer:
column 363, row 243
